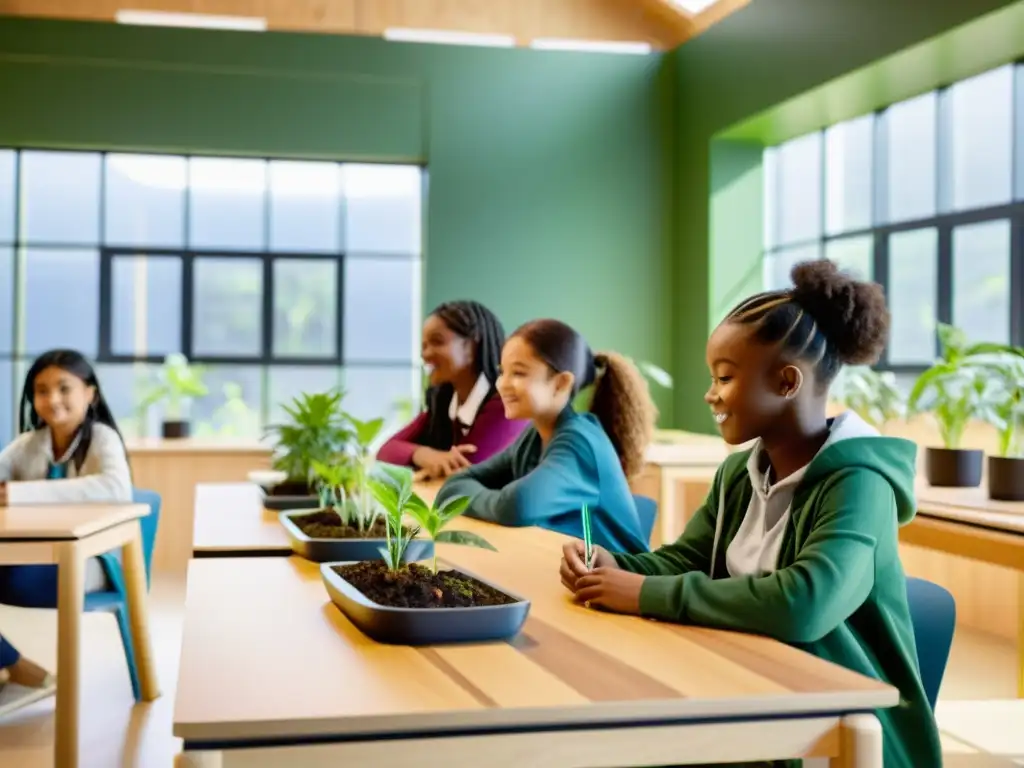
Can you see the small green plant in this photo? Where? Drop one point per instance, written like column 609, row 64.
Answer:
column 176, row 383
column 318, row 430
column 393, row 491
column 872, row 395
column 1004, row 403
column 432, row 519
column 958, row 388
column 331, row 481
column 365, row 433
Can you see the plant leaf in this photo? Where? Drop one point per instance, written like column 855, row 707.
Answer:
column 453, row 507
column 465, row 538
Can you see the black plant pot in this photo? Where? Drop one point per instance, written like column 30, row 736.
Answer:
column 953, row 467
column 175, row 429
column 1005, row 479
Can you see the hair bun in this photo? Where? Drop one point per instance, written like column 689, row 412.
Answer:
column 851, row 313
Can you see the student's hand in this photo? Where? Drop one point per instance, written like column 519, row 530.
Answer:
column 612, row 589
column 3, row 494
column 435, row 464
column 573, row 566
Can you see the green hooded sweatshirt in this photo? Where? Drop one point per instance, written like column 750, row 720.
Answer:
column 837, row 591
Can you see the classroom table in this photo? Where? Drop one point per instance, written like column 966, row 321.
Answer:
column 297, row 683
column 67, row 535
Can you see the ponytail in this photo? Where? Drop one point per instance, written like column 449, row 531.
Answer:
column 622, row 403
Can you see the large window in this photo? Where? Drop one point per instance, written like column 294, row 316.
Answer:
column 925, row 197
column 276, row 276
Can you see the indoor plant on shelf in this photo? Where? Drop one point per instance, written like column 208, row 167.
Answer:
column 872, row 395
column 176, row 385
column 393, row 600
column 955, row 390
column 348, row 524
column 318, row 430
column 1005, row 412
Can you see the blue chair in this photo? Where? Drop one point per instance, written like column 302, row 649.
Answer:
column 933, row 614
column 647, row 511
column 115, row 600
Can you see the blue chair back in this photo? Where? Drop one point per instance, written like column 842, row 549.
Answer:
column 933, row 614
column 647, row 511
column 149, row 523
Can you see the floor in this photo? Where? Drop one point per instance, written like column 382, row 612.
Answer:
column 976, row 734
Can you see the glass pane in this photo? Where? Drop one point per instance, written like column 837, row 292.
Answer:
column 778, row 265
column 305, row 307
column 8, row 392
column 383, row 208
column 124, row 385
column 6, row 301
column 233, row 407
column 60, row 197
column 62, row 300
column 382, row 317
column 145, row 200
column 372, row 393
column 911, row 178
column 855, row 255
column 7, row 163
column 286, row 382
column 799, row 203
column 770, row 169
column 227, row 315
column 913, row 289
column 227, row 203
column 982, row 145
column 848, row 173
column 146, row 314
column 305, row 207
column 981, row 281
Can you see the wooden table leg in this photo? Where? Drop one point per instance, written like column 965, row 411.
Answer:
column 860, row 744
column 134, row 565
column 70, row 596
column 1020, row 635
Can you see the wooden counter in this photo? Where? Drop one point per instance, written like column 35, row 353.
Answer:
column 576, row 688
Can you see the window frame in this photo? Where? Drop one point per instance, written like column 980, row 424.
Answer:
column 945, row 221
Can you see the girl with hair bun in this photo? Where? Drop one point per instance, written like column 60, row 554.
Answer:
column 565, row 459
column 797, row 539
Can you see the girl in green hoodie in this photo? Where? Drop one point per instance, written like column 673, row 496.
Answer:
column 797, row 539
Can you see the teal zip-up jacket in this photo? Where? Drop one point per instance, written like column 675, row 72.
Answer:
column 838, row 591
column 526, row 485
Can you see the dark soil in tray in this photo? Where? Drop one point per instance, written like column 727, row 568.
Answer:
column 327, row 525
column 290, row 488
column 415, row 586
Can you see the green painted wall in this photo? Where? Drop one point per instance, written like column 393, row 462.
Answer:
column 773, row 70
column 550, row 174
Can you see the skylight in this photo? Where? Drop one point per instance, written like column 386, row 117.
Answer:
column 693, row 6
column 599, row 46
column 447, row 37
column 202, row 20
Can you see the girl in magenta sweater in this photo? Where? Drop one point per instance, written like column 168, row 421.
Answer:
column 464, row 421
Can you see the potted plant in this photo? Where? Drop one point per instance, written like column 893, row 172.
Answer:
column 872, row 395
column 176, row 385
column 393, row 600
column 348, row 524
column 955, row 391
column 1005, row 412
column 317, row 430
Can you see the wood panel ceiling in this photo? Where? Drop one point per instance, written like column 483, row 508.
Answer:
column 658, row 22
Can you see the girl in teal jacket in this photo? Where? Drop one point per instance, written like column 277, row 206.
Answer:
column 797, row 539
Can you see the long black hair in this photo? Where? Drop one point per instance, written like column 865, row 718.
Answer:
column 470, row 320
column 76, row 364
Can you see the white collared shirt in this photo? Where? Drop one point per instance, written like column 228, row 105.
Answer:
column 465, row 413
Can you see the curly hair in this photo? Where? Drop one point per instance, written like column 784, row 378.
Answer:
column 828, row 318
column 621, row 400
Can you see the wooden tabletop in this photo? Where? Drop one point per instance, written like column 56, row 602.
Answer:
column 230, row 519
column 269, row 623
column 64, row 521
column 930, row 497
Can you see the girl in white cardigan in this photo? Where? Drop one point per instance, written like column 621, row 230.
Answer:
column 70, row 451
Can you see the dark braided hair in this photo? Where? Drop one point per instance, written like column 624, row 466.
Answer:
column 470, row 320
column 74, row 363
column 828, row 318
